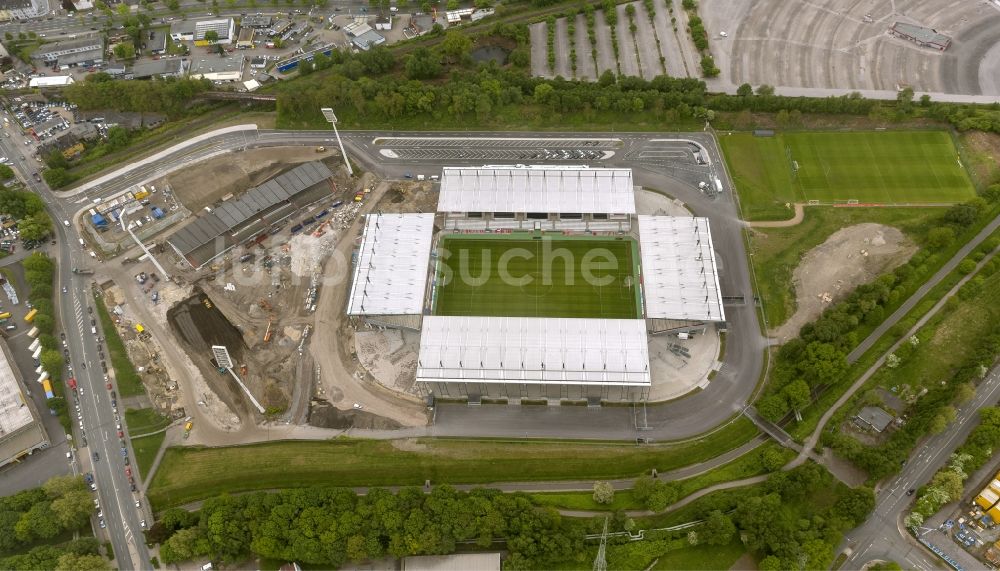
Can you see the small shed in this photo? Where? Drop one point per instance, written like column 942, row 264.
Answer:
column 874, row 417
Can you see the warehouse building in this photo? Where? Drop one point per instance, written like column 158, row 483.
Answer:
column 21, row 429
column 250, row 215
column 923, row 37
column 82, row 52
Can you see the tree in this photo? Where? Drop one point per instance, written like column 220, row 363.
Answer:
column 52, row 361
column 773, row 407
column 940, row 237
column 798, row 394
column 124, row 51
column 59, row 486
column 57, row 177
column 172, row 5
column 35, row 227
column 744, row 90
column 941, row 420
column 604, row 492
column 72, row 562
column 949, row 482
column 771, row 459
column 456, row 47
column 211, row 36
column 718, row 529
column 964, row 393
column 39, row 522
column 73, row 509
column 423, row 64
column 765, row 89
column 6, row 173
column 708, row 68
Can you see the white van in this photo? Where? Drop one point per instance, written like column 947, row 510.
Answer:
column 81, row 242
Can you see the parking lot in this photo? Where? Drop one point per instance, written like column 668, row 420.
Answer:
column 495, row 149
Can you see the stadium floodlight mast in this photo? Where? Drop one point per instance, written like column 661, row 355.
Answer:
column 331, row 117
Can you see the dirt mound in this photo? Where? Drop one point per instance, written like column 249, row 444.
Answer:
column 325, row 415
column 848, row 258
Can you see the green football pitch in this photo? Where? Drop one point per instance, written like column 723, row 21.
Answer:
column 888, row 167
column 548, row 277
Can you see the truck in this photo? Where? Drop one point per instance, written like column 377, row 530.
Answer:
column 47, row 386
column 34, row 344
column 82, row 271
column 33, row 332
column 5, row 315
column 72, row 383
column 37, row 353
column 139, row 328
column 420, row 177
column 718, row 185
column 31, row 315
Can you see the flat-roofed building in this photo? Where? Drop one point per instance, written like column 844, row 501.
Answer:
column 21, row 429
column 920, row 35
column 245, row 39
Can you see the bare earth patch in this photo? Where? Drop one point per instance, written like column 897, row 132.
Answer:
column 848, row 258
column 206, row 182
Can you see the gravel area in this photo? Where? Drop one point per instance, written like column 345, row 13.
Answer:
column 585, row 67
column 564, row 66
column 539, row 50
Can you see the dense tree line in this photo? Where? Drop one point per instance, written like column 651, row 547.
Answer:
column 39, row 515
column 818, row 357
column 170, row 96
column 329, row 527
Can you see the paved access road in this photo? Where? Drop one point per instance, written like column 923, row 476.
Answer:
column 882, row 535
column 99, row 420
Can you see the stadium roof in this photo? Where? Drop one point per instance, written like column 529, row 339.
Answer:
column 14, row 411
column 534, row 350
column 549, row 189
column 390, row 274
column 253, row 202
column 679, row 275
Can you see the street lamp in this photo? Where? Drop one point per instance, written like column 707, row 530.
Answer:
column 332, row 118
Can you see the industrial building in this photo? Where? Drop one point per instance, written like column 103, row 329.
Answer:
column 250, row 215
column 515, row 359
column 923, row 37
column 245, row 39
column 258, row 21
column 158, row 69
column 362, row 36
column 21, row 429
column 188, row 31
column 219, row 70
column 82, row 52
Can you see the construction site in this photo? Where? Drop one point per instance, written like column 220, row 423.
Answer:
column 246, row 267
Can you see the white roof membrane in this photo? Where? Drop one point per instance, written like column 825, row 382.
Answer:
column 390, row 274
column 534, row 350
column 537, row 189
column 679, row 274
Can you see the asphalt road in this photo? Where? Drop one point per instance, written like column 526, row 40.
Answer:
column 117, row 501
column 658, row 161
column 882, row 535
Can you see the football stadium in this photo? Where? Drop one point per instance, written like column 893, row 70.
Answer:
column 536, row 284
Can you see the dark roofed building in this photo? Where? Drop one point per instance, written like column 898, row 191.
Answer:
column 258, row 21
column 158, row 69
column 255, row 204
column 156, row 41
column 923, row 37
column 874, row 417
column 77, row 133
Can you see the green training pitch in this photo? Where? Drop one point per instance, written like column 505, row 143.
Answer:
column 523, row 277
column 888, row 167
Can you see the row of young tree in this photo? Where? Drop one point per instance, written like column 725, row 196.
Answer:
column 36, row 517
column 329, row 527
column 818, row 357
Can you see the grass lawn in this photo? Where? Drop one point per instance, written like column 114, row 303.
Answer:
column 126, row 378
column 777, row 251
column 745, row 466
column 522, row 277
column 883, row 167
column 701, row 557
column 144, row 420
column 947, row 340
column 188, row 473
column 145, row 450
